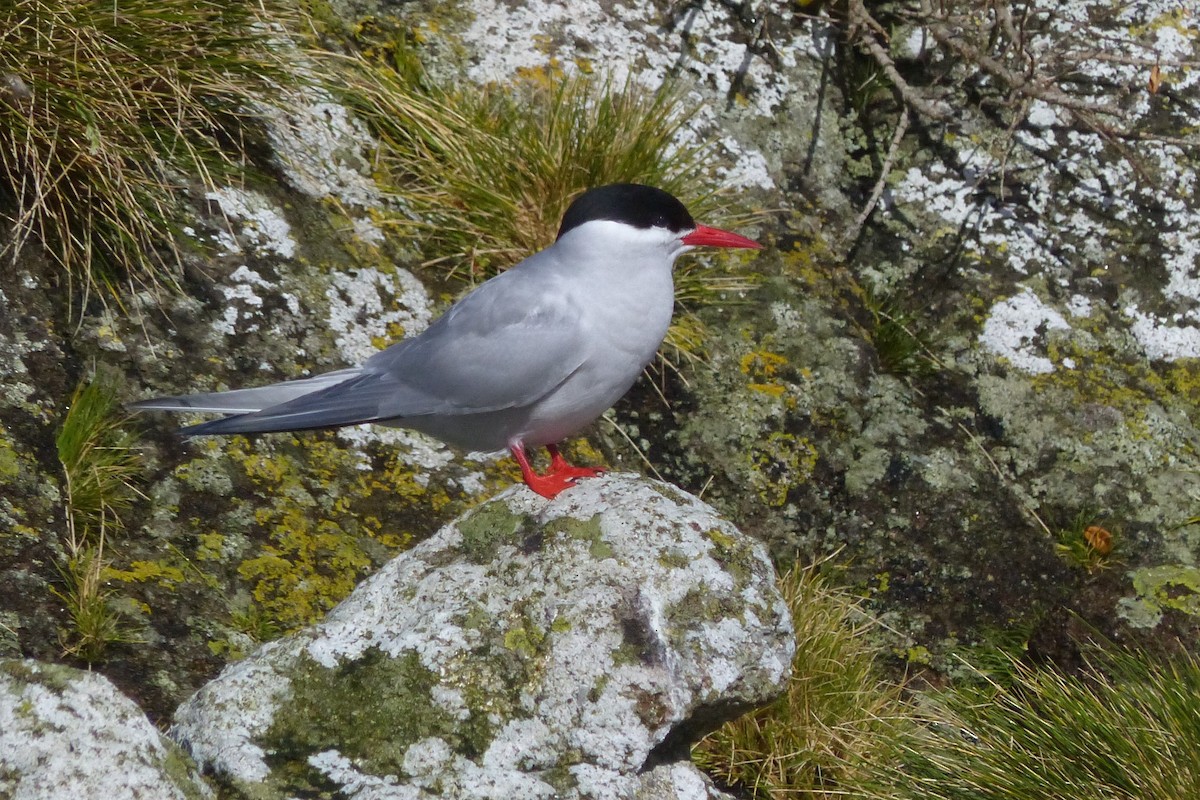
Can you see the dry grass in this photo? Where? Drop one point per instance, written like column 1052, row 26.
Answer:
column 837, row 714
column 107, row 111
column 1128, row 727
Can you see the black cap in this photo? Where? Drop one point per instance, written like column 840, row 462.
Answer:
column 630, row 203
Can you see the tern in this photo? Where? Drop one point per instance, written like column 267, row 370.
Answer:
column 527, row 359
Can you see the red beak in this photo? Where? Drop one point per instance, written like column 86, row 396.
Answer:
column 715, row 237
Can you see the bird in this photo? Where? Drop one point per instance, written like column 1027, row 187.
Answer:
column 527, row 359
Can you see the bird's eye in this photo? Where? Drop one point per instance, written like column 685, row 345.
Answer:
column 660, row 221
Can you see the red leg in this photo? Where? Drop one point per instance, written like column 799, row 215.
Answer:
column 560, row 476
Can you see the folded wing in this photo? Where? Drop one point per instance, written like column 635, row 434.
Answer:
column 506, row 345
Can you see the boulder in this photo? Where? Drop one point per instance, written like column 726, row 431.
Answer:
column 65, row 733
column 531, row 648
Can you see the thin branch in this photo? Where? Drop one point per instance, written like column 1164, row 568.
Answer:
column 893, row 150
column 859, row 17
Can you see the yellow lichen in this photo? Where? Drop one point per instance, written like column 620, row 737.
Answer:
column 317, row 527
column 761, row 366
column 159, row 572
column 784, row 460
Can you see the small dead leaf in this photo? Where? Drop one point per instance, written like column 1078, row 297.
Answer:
column 1099, row 539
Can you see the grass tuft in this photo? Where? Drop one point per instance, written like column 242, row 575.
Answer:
column 101, row 464
column 1128, row 727
column 1086, row 543
column 900, row 350
column 835, row 716
column 486, row 173
column 104, row 107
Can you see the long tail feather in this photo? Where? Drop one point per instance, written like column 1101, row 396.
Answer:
column 247, row 401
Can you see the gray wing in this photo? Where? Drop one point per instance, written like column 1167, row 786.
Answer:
column 506, row 345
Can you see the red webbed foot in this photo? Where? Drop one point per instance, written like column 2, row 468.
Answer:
column 559, row 477
column 560, row 466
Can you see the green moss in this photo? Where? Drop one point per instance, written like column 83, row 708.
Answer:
column 369, row 710
column 488, row 528
column 721, row 539
column 733, row 552
column 525, row 641
column 673, row 559
column 477, row 618
column 697, row 607
column 181, row 769
column 582, row 530
column 53, row 676
column 560, row 775
column 10, row 462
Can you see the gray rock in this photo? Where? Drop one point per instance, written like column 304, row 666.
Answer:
column 567, row 649
column 65, row 733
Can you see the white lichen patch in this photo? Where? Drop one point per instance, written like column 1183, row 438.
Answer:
column 1079, row 306
column 418, row 449
column 242, row 302
column 355, row 784
column 222, row 721
column 263, row 223
column 1015, row 330
column 65, row 733
column 17, row 389
column 1076, row 218
column 322, row 149
column 369, row 308
column 1164, row 339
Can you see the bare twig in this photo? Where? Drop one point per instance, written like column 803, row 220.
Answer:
column 860, row 18
column 877, row 192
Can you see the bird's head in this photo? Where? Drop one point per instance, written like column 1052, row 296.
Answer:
column 627, row 217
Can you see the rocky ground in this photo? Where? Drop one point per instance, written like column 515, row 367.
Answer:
column 979, row 401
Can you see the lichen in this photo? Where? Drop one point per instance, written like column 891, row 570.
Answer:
column 487, row 528
column 323, row 520
column 779, row 463
column 587, row 530
column 1160, row 588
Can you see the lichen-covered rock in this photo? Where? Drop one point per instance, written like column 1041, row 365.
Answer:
column 70, row 734
column 529, row 649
